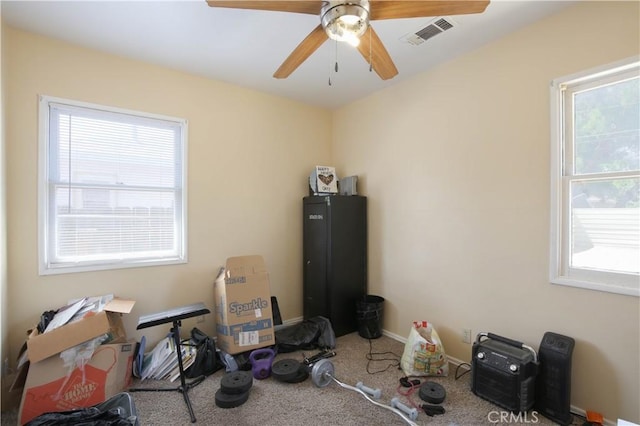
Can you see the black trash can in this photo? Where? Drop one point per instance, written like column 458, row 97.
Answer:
column 369, row 314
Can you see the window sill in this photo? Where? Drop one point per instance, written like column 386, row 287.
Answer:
column 607, row 288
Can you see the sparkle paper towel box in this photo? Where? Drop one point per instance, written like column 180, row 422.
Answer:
column 243, row 309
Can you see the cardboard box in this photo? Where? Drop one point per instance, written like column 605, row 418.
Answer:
column 108, row 321
column 244, row 316
column 11, row 391
column 50, row 386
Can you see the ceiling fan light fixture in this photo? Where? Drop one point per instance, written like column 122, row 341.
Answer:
column 345, row 21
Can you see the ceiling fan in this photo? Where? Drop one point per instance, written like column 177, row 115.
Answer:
column 349, row 21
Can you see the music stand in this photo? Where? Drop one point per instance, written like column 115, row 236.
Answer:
column 175, row 316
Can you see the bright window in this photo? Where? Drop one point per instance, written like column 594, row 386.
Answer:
column 595, row 179
column 111, row 188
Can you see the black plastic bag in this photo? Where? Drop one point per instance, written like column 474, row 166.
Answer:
column 327, row 338
column 119, row 410
column 242, row 361
column 315, row 332
column 207, row 359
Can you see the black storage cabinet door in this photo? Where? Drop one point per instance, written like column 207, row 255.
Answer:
column 335, row 258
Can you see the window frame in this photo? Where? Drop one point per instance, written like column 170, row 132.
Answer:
column 46, row 220
column 561, row 179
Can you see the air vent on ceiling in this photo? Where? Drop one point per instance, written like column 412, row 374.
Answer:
column 433, row 28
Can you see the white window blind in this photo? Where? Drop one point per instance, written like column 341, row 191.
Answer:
column 112, row 188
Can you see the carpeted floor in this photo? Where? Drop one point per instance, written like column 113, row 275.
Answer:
column 276, row 403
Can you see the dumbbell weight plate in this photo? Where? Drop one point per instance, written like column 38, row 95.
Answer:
column 303, row 374
column 285, row 370
column 322, row 372
column 236, row 382
column 225, row 400
column 432, row 392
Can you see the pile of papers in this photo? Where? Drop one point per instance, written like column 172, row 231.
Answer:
column 161, row 363
column 73, row 311
column 78, row 309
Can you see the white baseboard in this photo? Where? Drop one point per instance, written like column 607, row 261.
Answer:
column 394, row 336
column 402, row 339
column 289, row 322
column 580, row 412
column 293, row 321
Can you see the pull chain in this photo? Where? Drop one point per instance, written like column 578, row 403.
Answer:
column 370, row 51
column 335, row 67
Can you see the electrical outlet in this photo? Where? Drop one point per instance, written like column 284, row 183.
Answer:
column 200, row 319
column 466, row 335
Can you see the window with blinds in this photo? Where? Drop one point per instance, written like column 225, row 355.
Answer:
column 112, row 188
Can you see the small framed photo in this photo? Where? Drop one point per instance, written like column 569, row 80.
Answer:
column 326, row 180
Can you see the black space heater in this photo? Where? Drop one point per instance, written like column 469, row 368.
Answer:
column 553, row 386
column 503, row 371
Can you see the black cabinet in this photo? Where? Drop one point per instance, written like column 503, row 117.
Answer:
column 335, row 258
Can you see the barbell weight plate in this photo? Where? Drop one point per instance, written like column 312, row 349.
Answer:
column 236, row 382
column 285, row 369
column 322, row 372
column 301, row 376
column 226, row 400
column 432, row 392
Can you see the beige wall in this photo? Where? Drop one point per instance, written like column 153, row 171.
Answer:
column 249, row 156
column 455, row 163
column 456, row 166
column 3, row 247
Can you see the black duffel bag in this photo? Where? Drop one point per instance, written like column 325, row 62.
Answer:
column 207, row 359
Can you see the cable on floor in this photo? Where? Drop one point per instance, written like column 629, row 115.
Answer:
column 381, row 357
column 464, row 372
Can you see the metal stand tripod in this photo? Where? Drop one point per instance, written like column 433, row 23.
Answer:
column 175, row 316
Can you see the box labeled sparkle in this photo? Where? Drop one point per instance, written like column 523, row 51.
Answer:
column 244, row 319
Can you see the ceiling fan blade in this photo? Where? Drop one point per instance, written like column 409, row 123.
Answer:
column 384, row 9
column 374, row 52
column 300, row 54
column 297, row 6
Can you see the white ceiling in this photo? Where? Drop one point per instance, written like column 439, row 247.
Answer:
column 245, row 47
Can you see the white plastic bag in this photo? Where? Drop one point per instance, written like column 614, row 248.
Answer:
column 77, row 357
column 424, row 353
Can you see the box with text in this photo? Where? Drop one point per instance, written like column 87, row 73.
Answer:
column 108, row 321
column 52, row 387
column 244, row 318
